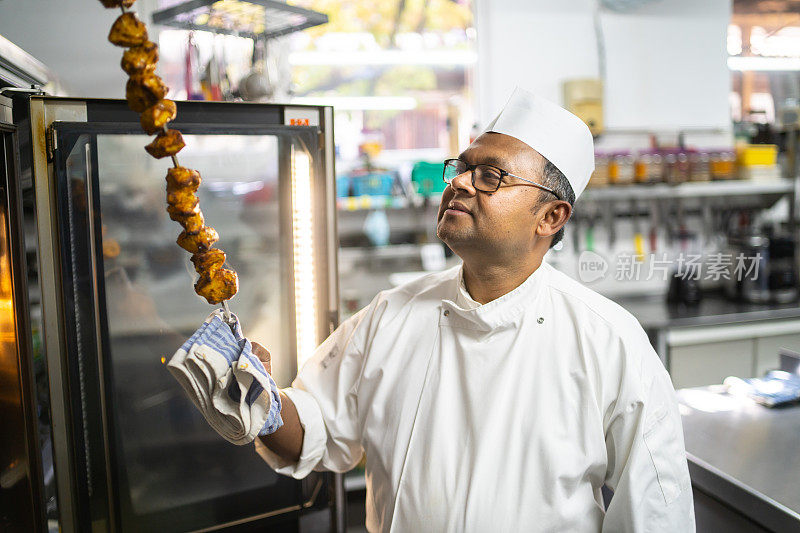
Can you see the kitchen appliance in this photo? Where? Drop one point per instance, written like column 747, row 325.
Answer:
column 21, row 488
column 782, row 278
column 584, row 98
column 684, row 283
column 131, row 451
column 750, row 281
column 763, row 267
column 684, row 290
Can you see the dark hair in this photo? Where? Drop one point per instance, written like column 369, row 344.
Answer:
column 556, row 180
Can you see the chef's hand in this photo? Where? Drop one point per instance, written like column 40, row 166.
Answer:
column 263, row 355
column 287, row 441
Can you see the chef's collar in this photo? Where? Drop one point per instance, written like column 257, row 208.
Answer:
column 463, row 298
column 503, row 311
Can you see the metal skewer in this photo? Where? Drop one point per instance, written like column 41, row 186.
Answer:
column 227, row 311
column 174, row 157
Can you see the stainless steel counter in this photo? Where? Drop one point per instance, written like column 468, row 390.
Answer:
column 654, row 313
column 744, row 455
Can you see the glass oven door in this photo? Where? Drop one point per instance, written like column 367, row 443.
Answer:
column 21, row 492
column 146, row 459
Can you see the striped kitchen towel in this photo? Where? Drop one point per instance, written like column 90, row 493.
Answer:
column 227, row 382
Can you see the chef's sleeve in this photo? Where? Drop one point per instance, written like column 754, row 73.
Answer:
column 647, row 468
column 324, row 394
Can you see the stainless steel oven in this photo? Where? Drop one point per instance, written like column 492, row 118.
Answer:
column 21, row 478
column 131, row 452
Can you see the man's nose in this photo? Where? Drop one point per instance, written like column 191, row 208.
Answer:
column 463, row 182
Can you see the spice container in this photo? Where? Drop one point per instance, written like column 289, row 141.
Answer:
column 641, row 169
column 599, row 177
column 671, row 174
column 620, row 168
column 648, row 167
column 684, row 168
column 722, row 165
column 656, row 168
column 700, row 166
column 613, row 169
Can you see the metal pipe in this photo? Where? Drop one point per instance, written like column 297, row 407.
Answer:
column 339, row 504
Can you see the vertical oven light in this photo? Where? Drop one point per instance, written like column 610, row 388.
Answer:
column 305, row 304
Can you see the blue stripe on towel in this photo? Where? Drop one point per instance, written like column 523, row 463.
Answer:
column 233, row 346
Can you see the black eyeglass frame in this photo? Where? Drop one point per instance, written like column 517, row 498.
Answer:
column 503, row 173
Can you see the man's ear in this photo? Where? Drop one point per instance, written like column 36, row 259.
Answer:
column 556, row 214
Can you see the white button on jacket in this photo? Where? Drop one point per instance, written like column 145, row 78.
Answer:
column 508, row 416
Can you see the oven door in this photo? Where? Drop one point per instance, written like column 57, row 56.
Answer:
column 145, row 459
column 21, row 491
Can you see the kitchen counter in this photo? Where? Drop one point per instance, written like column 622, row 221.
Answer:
column 655, row 313
column 744, row 455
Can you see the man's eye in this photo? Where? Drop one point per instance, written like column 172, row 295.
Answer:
column 490, row 173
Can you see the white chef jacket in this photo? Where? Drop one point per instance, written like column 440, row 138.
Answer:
column 507, row 416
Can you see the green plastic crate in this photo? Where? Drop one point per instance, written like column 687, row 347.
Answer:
column 427, row 177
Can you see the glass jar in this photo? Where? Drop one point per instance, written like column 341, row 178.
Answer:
column 649, row 167
column 684, row 167
column 700, row 166
column 599, row 177
column 641, row 171
column 671, row 168
column 723, row 165
column 656, row 174
column 624, row 166
column 613, row 169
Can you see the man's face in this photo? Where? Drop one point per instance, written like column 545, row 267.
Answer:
column 499, row 222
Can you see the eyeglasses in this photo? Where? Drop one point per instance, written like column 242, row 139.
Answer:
column 485, row 178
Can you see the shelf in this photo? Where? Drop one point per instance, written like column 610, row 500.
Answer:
column 388, row 252
column 708, row 189
column 255, row 19
column 717, row 189
column 367, row 202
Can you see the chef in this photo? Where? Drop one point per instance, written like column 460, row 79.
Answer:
column 499, row 395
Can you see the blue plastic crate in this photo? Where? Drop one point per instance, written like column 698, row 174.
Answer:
column 373, row 184
column 342, row 186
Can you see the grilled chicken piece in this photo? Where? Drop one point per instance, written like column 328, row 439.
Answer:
column 194, row 222
column 139, row 59
column 209, row 261
column 128, row 30
column 166, row 143
column 155, row 117
column 217, row 287
column 180, row 216
column 182, row 178
column 144, row 90
column 117, row 3
column 198, row 242
column 111, row 248
column 183, row 200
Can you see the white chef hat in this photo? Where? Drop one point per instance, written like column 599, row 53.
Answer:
column 552, row 131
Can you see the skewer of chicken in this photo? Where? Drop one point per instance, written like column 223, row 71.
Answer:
column 145, row 92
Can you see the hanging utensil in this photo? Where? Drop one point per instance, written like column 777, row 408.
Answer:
column 256, row 85
column 654, row 218
column 611, row 223
column 638, row 238
column 191, row 75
